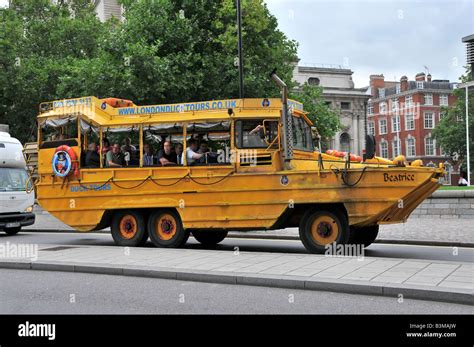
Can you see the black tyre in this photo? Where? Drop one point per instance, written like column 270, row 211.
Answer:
column 166, row 229
column 129, row 228
column 363, row 236
column 209, row 237
column 12, row 231
column 321, row 228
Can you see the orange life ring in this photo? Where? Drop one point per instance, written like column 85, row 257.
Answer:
column 338, row 154
column 116, row 102
column 65, row 165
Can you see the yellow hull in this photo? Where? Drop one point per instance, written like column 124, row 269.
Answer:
column 220, row 198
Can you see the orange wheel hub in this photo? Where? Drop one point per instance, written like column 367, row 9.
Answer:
column 128, row 226
column 165, row 226
column 324, row 230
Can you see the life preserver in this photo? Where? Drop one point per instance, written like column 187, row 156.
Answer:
column 339, row 154
column 65, row 162
column 116, row 102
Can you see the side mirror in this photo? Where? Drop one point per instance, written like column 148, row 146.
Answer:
column 370, row 146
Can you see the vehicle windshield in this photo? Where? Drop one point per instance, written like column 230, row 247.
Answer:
column 13, row 180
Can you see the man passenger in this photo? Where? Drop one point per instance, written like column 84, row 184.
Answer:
column 191, row 155
column 178, row 148
column 114, row 158
column 166, row 156
column 147, row 155
column 92, row 157
column 128, row 147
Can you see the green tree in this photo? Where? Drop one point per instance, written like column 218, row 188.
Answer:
column 324, row 118
column 450, row 133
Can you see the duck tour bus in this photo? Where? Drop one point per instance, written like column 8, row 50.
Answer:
column 166, row 171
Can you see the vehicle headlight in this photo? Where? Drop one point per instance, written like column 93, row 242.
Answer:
column 29, row 209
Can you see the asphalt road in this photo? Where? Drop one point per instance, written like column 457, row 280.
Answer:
column 256, row 245
column 43, row 292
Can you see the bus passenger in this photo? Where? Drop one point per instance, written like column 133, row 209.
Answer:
column 105, row 145
column 92, row 157
column 178, row 148
column 166, row 156
column 114, row 158
column 191, row 154
column 147, row 155
column 128, row 147
column 203, row 147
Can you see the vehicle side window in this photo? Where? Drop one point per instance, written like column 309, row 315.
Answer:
column 247, row 134
column 302, row 137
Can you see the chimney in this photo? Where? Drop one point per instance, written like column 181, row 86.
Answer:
column 376, row 82
column 420, row 76
column 428, row 78
column 404, row 84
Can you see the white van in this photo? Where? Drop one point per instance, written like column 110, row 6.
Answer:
column 17, row 196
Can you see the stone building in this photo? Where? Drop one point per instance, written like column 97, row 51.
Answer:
column 349, row 102
column 107, row 8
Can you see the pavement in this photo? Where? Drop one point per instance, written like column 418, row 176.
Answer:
column 447, row 281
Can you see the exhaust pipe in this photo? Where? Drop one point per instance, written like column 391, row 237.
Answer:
column 285, row 120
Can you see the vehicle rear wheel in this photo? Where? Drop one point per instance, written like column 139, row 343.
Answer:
column 321, row 228
column 166, row 229
column 209, row 237
column 364, row 236
column 129, row 228
column 12, row 231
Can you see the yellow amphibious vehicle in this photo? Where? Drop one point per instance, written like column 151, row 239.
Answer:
column 206, row 168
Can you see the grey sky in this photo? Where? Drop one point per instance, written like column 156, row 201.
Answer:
column 386, row 36
column 395, row 38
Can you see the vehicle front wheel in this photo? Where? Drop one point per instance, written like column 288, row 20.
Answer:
column 209, row 237
column 319, row 229
column 166, row 230
column 364, row 236
column 12, row 231
column 129, row 228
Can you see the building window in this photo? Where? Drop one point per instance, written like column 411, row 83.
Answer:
column 428, row 99
column 443, row 100
column 411, row 148
column 396, row 124
column 394, row 105
column 345, row 141
column 409, row 122
column 370, row 109
column 313, row 81
column 384, row 149
column 429, row 146
column 345, row 105
column 396, row 147
column 371, row 128
column 383, row 107
column 328, row 103
column 429, row 120
column 382, row 126
column 397, row 88
column 381, row 92
column 408, row 101
column 420, row 85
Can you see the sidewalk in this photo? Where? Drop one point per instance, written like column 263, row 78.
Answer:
column 417, row 279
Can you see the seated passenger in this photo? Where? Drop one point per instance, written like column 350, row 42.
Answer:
column 105, row 145
column 115, row 158
column 166, row 156
column 203, row 147
column 178, row 149
column 147, row 155
column 128, row 147
column 191, row 155
column 92, row 157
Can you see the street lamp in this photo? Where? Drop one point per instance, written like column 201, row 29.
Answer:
column 469, row 40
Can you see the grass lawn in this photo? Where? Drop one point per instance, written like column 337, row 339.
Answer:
column 456, row 188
